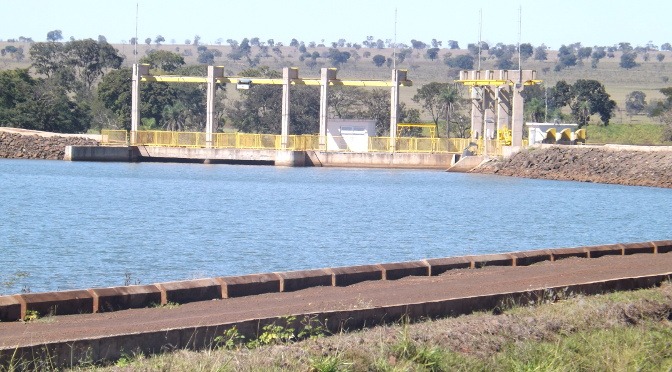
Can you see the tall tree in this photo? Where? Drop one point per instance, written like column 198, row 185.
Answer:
column 590, row 97
column 635, row 102
column 163, row 60
column 55, row 35
column 432, row 99
column 628, row 60
column 90, row 59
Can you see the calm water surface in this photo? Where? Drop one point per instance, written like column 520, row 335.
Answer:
column 81, row 225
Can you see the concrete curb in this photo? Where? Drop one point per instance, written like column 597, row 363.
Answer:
column 349, row 275
column 296, row 280
column 62, row 354
column 182, row 292
column 663, row 246
column 438, row 266
column 119, row 298
column 56, row 303
column 122, row 298
column 248, row 285
column 398, row 270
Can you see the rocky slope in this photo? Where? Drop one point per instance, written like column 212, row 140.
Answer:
column 587, row 164
column 23, row 146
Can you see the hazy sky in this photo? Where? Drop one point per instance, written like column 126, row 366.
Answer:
column 557, row 22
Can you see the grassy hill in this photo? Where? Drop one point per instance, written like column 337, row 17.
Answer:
column 648, row 77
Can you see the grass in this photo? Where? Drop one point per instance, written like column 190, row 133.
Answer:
column 621, row 331
column 626, row 134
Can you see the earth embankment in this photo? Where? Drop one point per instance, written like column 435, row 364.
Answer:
column 614, row 165
column 38, row 145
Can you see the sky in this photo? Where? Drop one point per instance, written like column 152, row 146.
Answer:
column 554, row 23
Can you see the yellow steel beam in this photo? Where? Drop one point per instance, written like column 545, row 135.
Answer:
column 174, row 79
column 485, row 82
column 266, row 81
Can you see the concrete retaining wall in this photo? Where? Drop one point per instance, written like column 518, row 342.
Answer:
column 63, row 354
column 15, row 307
column 384, row 160
column 101, row 153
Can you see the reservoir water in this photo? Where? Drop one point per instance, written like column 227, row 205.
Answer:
column 71, row 225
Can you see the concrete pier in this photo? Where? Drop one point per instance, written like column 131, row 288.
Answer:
column 287, row 158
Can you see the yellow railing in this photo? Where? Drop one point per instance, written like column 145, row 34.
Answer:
column 301, row 142
column 114, row 137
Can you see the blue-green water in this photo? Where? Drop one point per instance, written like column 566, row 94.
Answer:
column 81, row 225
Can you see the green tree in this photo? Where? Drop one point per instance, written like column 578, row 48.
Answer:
column 628, row 60
column 584, row 52
column 159, row 39
column 566, row 58
column 52, row 110
column 526, row 50
column 430, row 97
column 378, row 60
column 47, row 58
column 115, row 92
column 346, row 102
column 635, row 102
column 432, row 53
column 337, row 58
column 417, row 44
column 667, row 92
column 55, row 35
column 589, row 97
column 91, row 59
column 163, row 60
column 75, row 63
column 463, row 62
column 17, row 87
column 540, row 53
column 259, row 109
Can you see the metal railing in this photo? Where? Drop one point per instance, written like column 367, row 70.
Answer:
column 302, row 142
column 114, row 137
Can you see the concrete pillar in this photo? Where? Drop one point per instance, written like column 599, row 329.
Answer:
column 326, row 74
column 476, row 112
column 503, row 98
column 397, row 76
column 288, row 73
column 517, row 115
column 488, row 112
column 138, row 71
column 214, row 72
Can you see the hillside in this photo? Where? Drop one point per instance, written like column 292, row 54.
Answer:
column 648, row 77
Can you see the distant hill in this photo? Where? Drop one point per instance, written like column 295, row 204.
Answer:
column 649, row 76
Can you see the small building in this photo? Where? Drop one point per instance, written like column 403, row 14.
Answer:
column 350, row 134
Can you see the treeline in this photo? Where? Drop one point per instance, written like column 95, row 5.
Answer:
column 79, row 85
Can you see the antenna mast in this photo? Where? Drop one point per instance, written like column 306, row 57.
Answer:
column 135, row 45
column 480, row 31
column 394, row 51
column 520, row 33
